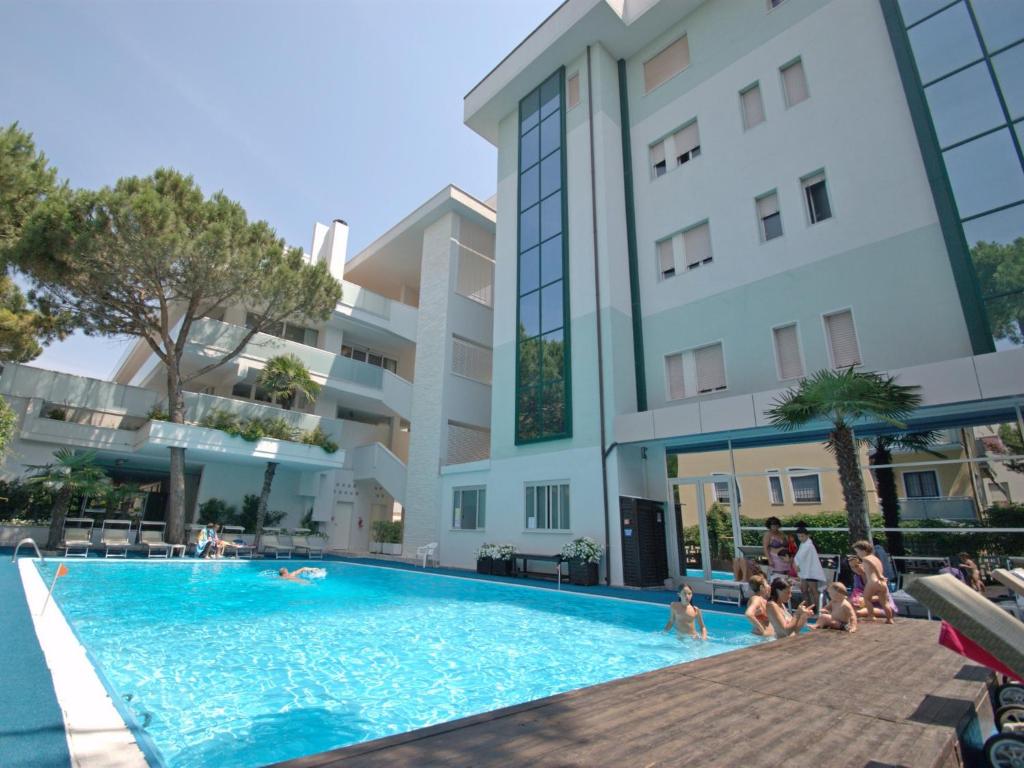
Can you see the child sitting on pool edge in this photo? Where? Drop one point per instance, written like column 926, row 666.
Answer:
column 683, row 615
column 839, row 613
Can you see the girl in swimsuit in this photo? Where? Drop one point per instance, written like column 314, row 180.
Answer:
column 774, row 541
column 757, row 606
column 784, row 622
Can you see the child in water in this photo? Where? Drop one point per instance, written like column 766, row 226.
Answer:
column 839, row 613
column 684, row 615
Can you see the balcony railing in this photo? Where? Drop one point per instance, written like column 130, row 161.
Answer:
column 198, row 406
column 356, row 296
column 938, row 508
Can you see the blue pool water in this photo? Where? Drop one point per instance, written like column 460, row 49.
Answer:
column 227, row 665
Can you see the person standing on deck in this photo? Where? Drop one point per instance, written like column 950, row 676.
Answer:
column 808, row 567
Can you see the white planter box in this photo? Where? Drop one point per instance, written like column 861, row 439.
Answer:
column 376, row 547
column 392, row 549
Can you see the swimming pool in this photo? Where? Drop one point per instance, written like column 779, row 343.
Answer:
column 224, row 664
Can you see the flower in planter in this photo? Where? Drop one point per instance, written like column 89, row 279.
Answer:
column 584, row 549
column 486, row 551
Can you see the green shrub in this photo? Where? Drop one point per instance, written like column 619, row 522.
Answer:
column 158, row 413
column 378, row 530
column 392, row 532
column 318, row 437
column 223, row 420
column 23, row 501
column 218, row 511
column 247, row 517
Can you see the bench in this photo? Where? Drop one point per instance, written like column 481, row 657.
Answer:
column 521, row 560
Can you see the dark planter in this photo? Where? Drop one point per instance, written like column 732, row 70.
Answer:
column 483, row 565
column 501, row 567
column 582, row 573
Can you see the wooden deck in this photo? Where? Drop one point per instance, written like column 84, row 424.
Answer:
column 885, row 696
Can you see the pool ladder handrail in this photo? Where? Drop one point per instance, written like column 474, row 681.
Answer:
column 34, row 546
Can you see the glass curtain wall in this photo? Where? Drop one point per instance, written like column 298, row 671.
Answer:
column 543, row 409
column 969, row 56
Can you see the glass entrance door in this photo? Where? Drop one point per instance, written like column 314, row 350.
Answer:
column 691, row 498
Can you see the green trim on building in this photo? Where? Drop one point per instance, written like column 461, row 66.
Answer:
column 543, row 407
column 967, row 285
column 631, row 252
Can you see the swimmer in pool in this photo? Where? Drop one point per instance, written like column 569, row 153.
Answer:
column 294, row 575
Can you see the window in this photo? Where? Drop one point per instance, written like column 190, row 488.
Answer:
column 722, row 495
column 572, row 87
column 769, row 218
column 697, row 245
column 805, row 486
column 695, row 372
column 794, row 84
column 687, row 143
column 288, row 331
column 250, row 391
column 658, row 164
column 471, row 360
column 364, row 355
column 543, row 406
column 752, row 106
column 842, row 339
column 816, row 196
column 468, row 508
column 775, row 489
column 466, row 444
column 787, row 353
column 921, row 485
column 667, row 64
column 666, row 259
column 775, row 3
column 547, row 507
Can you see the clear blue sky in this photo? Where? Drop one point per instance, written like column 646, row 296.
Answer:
column 302, row 111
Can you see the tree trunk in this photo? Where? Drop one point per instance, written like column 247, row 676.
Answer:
column 888, row 495
column 852, row 482
column 57, row 515
column 261, row 508
column 176, row 497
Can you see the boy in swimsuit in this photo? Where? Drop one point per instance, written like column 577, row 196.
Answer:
column 683, row 615
column 294, row 575
column 875, row 584
column 839, row 613
column 972, row 572
column 757, row 606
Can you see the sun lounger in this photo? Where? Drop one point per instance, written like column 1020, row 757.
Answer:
column 76, row 536
column 312, row 546
column 151, row 536
column 1014, row 580
column 231, row 535
column 273, row 542
column 116, row 537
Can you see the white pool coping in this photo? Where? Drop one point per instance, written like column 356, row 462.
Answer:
column 97, row 735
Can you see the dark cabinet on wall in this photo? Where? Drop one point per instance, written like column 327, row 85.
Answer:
column 644, row 559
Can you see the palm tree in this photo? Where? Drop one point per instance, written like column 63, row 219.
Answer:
column 843, row 398
column 285, row 377
column 70, row 475
column 882, row 447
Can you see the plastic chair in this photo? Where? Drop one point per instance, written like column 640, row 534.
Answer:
column 427, row 552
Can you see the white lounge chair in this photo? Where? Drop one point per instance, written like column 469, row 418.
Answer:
column 116, row 537
column 76, row 536
column 229, row 533
column 1014, row 581
column 272, row 541
column 151, row 536
column 312, row 546
column 427, row 552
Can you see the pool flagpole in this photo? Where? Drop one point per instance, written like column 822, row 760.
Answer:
column 62, row 570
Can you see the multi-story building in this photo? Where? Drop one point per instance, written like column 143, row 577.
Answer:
column 699, row 203
column 404, row 368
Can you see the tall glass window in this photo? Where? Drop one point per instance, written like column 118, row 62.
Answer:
column 969, row 57
column 542, row 346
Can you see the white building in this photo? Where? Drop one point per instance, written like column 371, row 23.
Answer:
column 403, row 361
column 701, row 202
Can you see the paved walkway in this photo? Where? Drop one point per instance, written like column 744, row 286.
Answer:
column 31, row 724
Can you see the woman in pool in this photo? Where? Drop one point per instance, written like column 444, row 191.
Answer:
column 684, row 616
column 757, row 606
column 783, row 622
column 775, row 542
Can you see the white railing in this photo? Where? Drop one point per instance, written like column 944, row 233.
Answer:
column 356, row 296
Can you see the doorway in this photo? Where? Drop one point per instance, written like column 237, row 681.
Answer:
column 339, row 535
column 705, row 532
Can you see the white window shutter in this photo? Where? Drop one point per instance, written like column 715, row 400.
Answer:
column 710, row 368
column 471, row 360
column 666, row 259
column 657, row 154
column 767, row 206
column 795, row 83
column 842, row 339
column 787, row 353
column 466, row 444
column 697, row 245
column 674, row 371
column 686, row 139
column 753, row 107
column 664, row 65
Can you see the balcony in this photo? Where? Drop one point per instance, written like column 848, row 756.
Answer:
column 212, row 338
column 366, row 306
column 938, row 508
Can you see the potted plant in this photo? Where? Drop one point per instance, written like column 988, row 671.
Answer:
column 393, row 538
column 484, row 556
column 583, row 555
column 502, row 563
column 378, row 533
